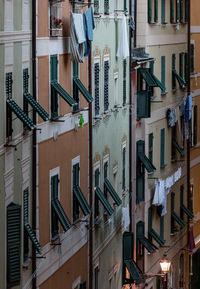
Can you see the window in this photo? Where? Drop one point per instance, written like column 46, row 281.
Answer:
column 175, row 75
column 116, row 89
column 175, row 6
column 96, row 205
column 76, row 211
column 175, row 147
column 96, row 277
column 13, row 245
column 181, row 271
column 56, row 19
column 186, row 68
column 162, row 148
column 174, row 217
column 105, row 177
column 75, row 68
column 9, row 129
column 26, row 213
column 96, row 88
column 139, row 245
column 183, row 209
column 152, row 11
column 124, row 81
column 151, row 147
column 152, row 233
column 192, row 58
column 106, row 85
column 54, row 196
column 96, row 6
column 163, row 74
column 106, row 7
column 191, row 195
column 124, row 169
column 54, row 79
column 163, row 11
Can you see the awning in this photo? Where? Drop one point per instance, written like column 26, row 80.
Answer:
column 147, row 244
column 58, row 88
column 112, row 192
column 62, row 217
column 40, row 110
column 33, row 237
column 178, row 219
column 81, row 200
column 178, row 148
column 132, row 269
column 159, row 83
column 156, row 237
column 103, row 200
column 20, row 114
column 180, row 80
column 83, row 90
column 187, row 211
column 146, row 74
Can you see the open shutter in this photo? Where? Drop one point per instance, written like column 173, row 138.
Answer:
column 163, row 11
column 173, row 68
column 25, row 79
column 195, row 125
column 162, row 148
column 172, row 11
column 9, row 82
column 149, row 11
column 163, row 72
column 13, row 244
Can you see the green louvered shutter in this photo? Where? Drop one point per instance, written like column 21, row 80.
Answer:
column 181, row 11
column 163, row 11
column 149, row 11
column 162, row 227
column 162, row 148
column 13, row 245
column 151, row 67
column 143, row 104
column 54, row 196
column 155, row 10
column 106, row 85
column 9, row 83
column 181, row 64
column 25, row 80
column 191, row 57
column 54, row 78
column 177, row 11
column 186, row 10
column 125, row 5
column 96, row 6
column 186, row 68
column 124, row 169
column 173, row 68
column 124, row 81
column 75, row 69
column 96, row 200
column 172, row 11
column 151, row 147
column 106, row 7
column 76, row 211
column 163, row 71
column 195, row 125
column 96, row 88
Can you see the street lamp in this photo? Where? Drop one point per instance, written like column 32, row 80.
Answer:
column 165, row 265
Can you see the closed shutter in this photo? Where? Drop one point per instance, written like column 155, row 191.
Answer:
column 54, row 67
column 124, row 82
column 186, row 10
column 186, row 68
column 125, row 5
column 106, row 7
column 151, row 67
column 124, row 169
column 177, row 11
column 181, row 11
column 195, row 125
column 143, row 104
column 163, row 72
column 192, row 58
column 173, row 68
column 106, row 85
column 151, row 147
column 163, row 11
column 96, row 6
column 149, row 11
column 181, row 64
column 162, row 227
column 25, row 80
column 76, row 169
column 155, row 10
column 96, row 200
column 172, row 11
column 162, row 148
column 96, row 88
column 54, row 77
column 9, row 82
column 105, row 170
column 13, row 245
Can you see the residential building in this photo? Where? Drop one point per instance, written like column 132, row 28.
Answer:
column 110, row 143
column 194, row 138
column 160, row 209
column 62, row 152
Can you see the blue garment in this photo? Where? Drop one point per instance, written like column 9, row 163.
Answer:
column 188, row 108
column 88, row 22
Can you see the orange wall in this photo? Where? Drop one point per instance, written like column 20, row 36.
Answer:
column 60, row 153
column 195, row 19
column 69, row 272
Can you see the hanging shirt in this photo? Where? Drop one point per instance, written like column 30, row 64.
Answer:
column 123, row 48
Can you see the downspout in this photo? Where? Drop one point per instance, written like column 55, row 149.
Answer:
column 188, row 141
column 34, row 139
column 90, row 170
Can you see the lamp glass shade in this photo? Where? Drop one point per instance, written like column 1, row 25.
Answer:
column 165, row 265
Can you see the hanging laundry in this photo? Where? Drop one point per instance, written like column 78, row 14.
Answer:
column 88, row 21
column 123, row 49
column 77, row 37
column 188, row 108
column 171, row 115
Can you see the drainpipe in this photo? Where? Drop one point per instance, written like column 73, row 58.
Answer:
column 188, row 140
column 90, row 170
column 34, row 138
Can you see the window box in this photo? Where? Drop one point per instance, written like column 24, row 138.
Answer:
column 55, row 32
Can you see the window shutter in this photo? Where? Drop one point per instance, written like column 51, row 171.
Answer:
column 151, row 147
column 75, row 69
column 186, row 67
column 149, row 11
column 25, row 79
column 149, row 219
column 13, row 245
column 124, row 82
column 181, row 64
column 54, row 187
column 163, row 71
column 9, row 82
column 162, row 227
column 76, row 175
column 172, row 11
column 163, row 11
column 54, row 67
column 97, row 178
column 96, row 88
column 128, row 246
column 106, row 7
column 124, row 169
column 54, row 77
column 192, row 57
column 195, row 125
column 162, row 148
column 151, row 67
column 96, row 6
column 177, row 11
column 106, row 85
column 139, row 174
column 125, row 5
column 143, row 104
column 181, row 11
column 105, row 170
column 155, row 10
column 186, row 10
column 173, row 68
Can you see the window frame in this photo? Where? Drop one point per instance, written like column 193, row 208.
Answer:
column 54, row 76
column 54, row 172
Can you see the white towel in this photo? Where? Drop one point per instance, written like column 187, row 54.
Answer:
column 156, row 194
column 78, row 25
column 123, row 49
